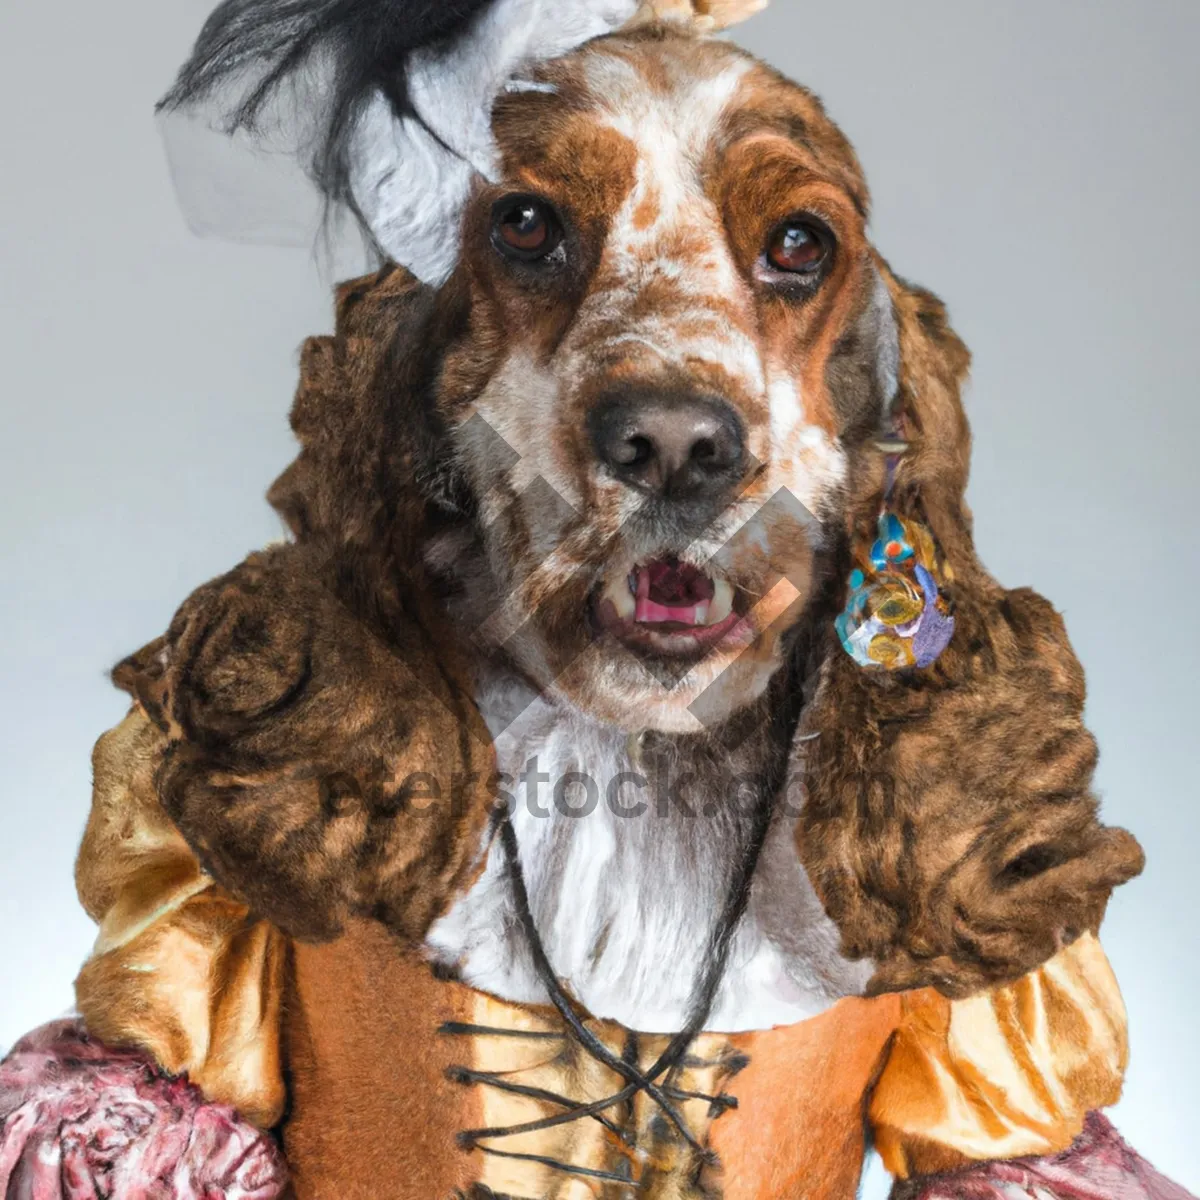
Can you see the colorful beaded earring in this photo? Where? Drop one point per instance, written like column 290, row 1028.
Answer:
column 896, row 615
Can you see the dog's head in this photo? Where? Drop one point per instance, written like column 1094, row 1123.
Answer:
column 660, row 344
column 671, row 337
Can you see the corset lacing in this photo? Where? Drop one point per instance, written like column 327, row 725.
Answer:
column 673, row 1058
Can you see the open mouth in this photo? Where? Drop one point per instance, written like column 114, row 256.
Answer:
column 671, row 607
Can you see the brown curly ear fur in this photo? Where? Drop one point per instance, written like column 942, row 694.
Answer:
column 369, row 460
column 323, row 760
column 947, row 824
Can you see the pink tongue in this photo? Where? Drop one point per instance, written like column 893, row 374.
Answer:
column 649, row 612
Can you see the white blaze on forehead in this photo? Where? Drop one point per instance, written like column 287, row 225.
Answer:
column 667, row 228
column 682, row 116
column 671, row 132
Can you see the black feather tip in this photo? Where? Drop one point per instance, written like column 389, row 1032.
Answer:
column 253, row 47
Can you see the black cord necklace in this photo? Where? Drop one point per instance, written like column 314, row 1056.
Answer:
column 704, row 995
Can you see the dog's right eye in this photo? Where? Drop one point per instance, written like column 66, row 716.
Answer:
column 800, row 246
column 525, row 228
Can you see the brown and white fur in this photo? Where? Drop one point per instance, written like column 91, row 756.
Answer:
column 338, row 716
column 459, row 520
column 670, row 160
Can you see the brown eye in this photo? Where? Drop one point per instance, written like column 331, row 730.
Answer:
column 801, row 247
column 525, row 228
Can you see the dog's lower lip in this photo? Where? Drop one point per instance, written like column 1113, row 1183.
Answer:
column 670, row 608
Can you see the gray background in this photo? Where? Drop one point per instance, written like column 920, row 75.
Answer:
column 1034, row 161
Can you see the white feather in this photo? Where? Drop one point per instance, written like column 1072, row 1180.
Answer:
column 411, row 177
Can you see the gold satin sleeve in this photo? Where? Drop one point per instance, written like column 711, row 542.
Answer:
column 180, row 969
column 1008, row 1073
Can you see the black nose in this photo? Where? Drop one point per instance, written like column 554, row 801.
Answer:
column 681, row 447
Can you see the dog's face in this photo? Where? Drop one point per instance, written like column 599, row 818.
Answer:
column 676, row 333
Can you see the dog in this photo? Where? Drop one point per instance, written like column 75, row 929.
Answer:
column 580, row 518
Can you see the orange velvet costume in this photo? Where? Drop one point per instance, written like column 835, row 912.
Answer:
column 365, row 1058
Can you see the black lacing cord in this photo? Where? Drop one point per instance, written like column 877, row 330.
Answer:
column 716, row 1104
column 492, row 1079
column 675, row 1054
column 463, row 1029
column 554, row 1164
column 586, row 1038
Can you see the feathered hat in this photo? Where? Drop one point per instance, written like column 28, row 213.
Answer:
column 388, row 102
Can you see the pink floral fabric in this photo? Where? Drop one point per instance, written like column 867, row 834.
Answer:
column 1099, row 1166
column 81, row 1121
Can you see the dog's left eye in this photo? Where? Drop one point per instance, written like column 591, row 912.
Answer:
column 799, row 246
column 525, row 228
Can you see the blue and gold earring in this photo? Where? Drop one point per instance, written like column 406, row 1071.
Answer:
column 896, row 615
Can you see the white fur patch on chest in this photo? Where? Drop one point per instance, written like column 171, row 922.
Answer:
column 626, row 904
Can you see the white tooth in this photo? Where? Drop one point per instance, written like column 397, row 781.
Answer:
column 721, row 605
column 700, row 616
column 617, row 590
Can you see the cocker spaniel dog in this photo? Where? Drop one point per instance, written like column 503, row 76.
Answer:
column 546, row 678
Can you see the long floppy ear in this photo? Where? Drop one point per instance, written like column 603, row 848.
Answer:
column 320, row 763
column 372, row 451
column 324, row 756
column 947, row 822
column 926, row 391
